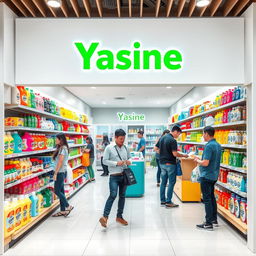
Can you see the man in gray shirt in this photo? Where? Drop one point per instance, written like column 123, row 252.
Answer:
column 116, row 167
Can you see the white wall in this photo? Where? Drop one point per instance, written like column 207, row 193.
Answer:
column 67, row 97
column 109, row 115
column 212, row 49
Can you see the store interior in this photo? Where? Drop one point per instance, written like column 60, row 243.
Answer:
column 95, row 111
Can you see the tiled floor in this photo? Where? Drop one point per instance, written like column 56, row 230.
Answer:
column 153, row 230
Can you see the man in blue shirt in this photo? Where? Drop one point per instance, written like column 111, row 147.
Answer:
column 209, row 172
column 142, row 143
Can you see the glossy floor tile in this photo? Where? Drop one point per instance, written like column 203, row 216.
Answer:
column 152, row 230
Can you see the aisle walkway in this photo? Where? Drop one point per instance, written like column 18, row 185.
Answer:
column 153, row 230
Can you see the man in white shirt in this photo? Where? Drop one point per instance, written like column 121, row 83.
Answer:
column 116, row 157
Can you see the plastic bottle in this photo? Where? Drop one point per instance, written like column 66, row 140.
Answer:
column 10, row 142
column 232, row 203
column 9, row 219
column 237, row 206
column 33, row 99
column 16, row 96
column 47, row 198
column 18, row 213
column 17, row 142
column 40, row 202
column 28, row 97
column 27, row 141
column 23, row 96
column 34, row 205
column 243, row 212
column 6, row 144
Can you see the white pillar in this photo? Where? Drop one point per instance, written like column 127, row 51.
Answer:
column 1, row 132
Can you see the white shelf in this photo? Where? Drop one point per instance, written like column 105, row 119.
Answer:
column 73, row 157
column 28, row 153
column 77, row 145
column 9, row 128
column 76, row 167
column 237, row 169
column 27, row 178
column 217, row 126
column 226, row 186
column 24, row 109
column 231, row 104
column 75, row 179
column 204, row 143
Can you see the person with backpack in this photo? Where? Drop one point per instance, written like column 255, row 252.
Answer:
column 116, row 157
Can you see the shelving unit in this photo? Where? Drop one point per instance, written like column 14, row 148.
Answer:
column 10, row 128
column 73, row 157
column 28, row 110
column 239, row 125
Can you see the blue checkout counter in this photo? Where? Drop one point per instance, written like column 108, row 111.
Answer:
column 138, row 165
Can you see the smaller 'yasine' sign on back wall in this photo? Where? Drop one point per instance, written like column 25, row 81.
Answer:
column 130, row 51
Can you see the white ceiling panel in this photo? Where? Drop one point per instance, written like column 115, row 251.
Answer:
column 139, row 97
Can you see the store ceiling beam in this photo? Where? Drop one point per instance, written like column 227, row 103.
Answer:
column 191, row 7
column 76, row 7
column 229, row 6
column 130, row 8
column 29, row 5
column 40, row 7
column 169, row 7
column 240, row 6
column 99, row 7
column 12, row 7
column 180, row 7
column 202, row 11
column 53, row 11
column 118, row 4
column 141, row 8
column 21, row 8
column 214, row 7
column 158, row 3
column 64, row 8
column 87, row 7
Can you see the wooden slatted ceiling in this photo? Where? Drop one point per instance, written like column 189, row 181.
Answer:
column 128, row 8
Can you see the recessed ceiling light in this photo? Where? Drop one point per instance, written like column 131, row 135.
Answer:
column 104, row 102
column 54, row 3
column 202, row 3
column 168, row 87
column 93, row 88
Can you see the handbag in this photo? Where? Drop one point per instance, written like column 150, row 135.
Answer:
column 129, row 177
column 178, row 169
column 86, row 159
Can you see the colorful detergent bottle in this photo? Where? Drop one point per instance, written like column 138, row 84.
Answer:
column 40, row 202
column 16, row 98
column 34, row 205
column 28, row 97
column 6, row 144
column 28, row 203
column 23, row 96
column 33, row 99
column 11, row 143
column 9, row 219
column 17, row 212
column 17, row 142
column 27, row 142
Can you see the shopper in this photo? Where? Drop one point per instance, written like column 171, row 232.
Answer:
column 209, row 172
column 60, row 158
column 90, row 149
column 116, row 166
column 142, row 143
column 157, row 155
column 104, row 144
column 168, row 154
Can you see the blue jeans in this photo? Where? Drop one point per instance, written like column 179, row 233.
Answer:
column 158, row 174
column 168, row 172
column 59, row 190
column 116, row 182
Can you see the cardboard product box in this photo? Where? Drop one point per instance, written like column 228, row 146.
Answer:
column 187, row 166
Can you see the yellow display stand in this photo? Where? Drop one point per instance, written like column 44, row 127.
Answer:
column 186, row 190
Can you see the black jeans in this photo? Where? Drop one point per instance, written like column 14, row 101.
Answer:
column 59, row 190
column 116, row 182
column 207, row 188
column 104, row 167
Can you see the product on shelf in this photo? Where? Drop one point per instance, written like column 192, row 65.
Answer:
column 226, row 97
column 27, row 97
column 75, row 162
column 233, row 158
column 17, row 142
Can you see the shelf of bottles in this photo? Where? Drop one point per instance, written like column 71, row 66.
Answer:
column 132, row 138
column 227, row 113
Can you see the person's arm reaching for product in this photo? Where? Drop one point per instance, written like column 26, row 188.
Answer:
column 87, row 149
column 206, row 158
column 175, row 151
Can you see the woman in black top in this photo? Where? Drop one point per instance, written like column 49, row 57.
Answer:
column 104, row 144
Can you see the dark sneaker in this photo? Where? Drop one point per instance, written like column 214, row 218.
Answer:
column 163, row 203
column 205, row 226
column 215, row 223
column 171, row 205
